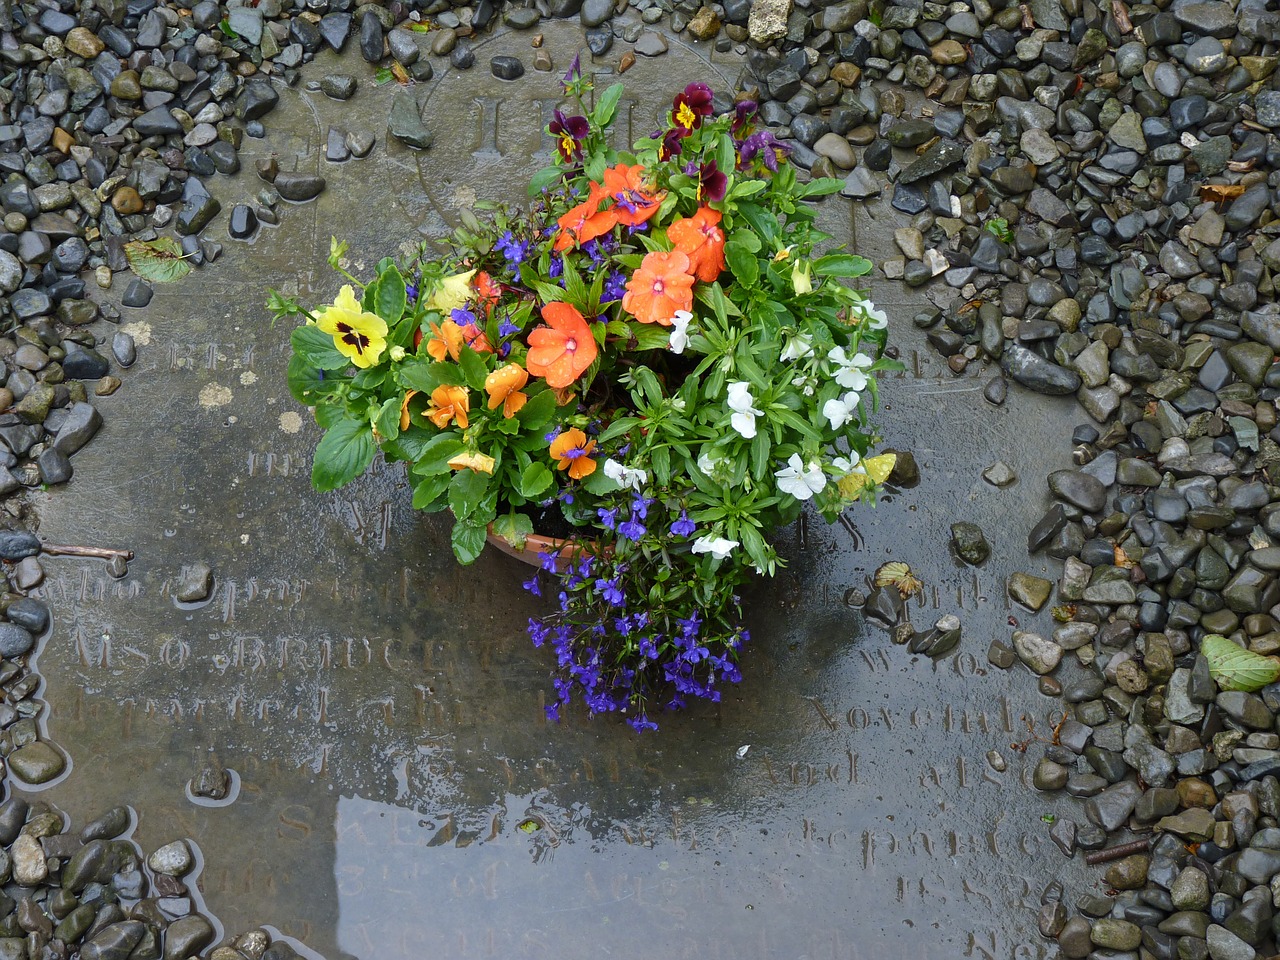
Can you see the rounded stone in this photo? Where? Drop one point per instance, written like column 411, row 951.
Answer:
column 36, row 762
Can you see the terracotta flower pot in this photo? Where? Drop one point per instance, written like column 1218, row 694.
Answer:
column 536, row 547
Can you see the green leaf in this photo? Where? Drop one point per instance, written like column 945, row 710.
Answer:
column 225, row 26
column 390, row 300
column 545, row 178
column 315, row 347
column 841, row 265
column 436, row 455
column 742, row 262
column 428, row 494
column 535, row 480
column 606, row 106
column 425, row 376
column 468, row 541
column 595, row 167
column 474, row 370
column 1235, row 668
column 535, row 414
column 598, row 484
column 383, row 75
column 306, row 383
column 345, row 452
column 514, row 528
column 160, row 260
column 387, row 422
column 466, row 491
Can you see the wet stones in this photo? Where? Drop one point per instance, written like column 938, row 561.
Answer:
column 969, row 543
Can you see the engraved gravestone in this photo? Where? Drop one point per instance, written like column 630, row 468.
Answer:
column 399, row 792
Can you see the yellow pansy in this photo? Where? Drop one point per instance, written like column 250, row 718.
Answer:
column 476, row 461
column 800, row 281
column 452, row 293
column 359, row 336
column 873, row 470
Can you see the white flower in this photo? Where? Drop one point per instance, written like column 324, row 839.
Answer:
column 744, row 414
column 718, row 547
column 632, row 477
column 841, row 410
column 708, row 464
column 845, row 466
column 800, row 481
column 876, row 319
column 797, row 348
column 680, row 331
column 849, row 369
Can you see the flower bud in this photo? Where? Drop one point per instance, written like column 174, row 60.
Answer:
column 397, row 353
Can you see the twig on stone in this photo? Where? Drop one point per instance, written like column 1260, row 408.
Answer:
column 1116, row 853
column 71, row 550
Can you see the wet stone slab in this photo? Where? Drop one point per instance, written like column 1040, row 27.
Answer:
column 397, row 792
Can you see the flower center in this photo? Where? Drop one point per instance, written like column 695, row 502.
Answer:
column 659, row 286
column 685, row 116
column 571, row 344
column 353, row 337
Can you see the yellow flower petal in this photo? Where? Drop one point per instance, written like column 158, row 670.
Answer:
column 359, row 336
column 879, row 468
column 452, row 293
column 476, row 461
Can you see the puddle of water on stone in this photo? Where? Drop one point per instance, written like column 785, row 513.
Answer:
column 382, row 707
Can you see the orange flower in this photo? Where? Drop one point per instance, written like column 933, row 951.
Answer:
column 449, row 403
column 404, row 409
column 702, row 241
column 659, row 288
column 504, row 386
column 488, row 291
column 447, row 341
column 635, row 201
column 573, row 450
column 475, row 338
column 562, row 351
column 586, row 221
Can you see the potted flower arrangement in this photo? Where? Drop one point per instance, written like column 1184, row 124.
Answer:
column 654, row 364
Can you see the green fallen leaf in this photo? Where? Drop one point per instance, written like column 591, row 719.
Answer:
column 1048, row 818
column 159, row 261
column 225, row 26
column 384, row 75
column 1235, row 668
column 530, row 826
column 1000, row 227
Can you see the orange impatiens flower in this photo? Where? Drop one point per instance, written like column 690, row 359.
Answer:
column 404, row 409
column 634, row 197
column 561, row 351
column 449, row 403
column 488, row 291
column 447, row 341
column 699, row 238
column 659, row 288
column 504, row 386
column 573, row 451
column 586, row 221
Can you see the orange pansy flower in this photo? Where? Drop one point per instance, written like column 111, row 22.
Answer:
column 449, row 402
column 447, row 341
column 702, row 241
column 404, row 409
column 635, row 201
column 504, row 386
column 586, row 221
column 561, row 351
column 573, row 451
column 659, row 288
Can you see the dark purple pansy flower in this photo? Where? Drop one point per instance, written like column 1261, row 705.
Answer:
column 744, row 112
column 569, row 133
column 712, row 184
column 764, row 143
column 690, row 107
